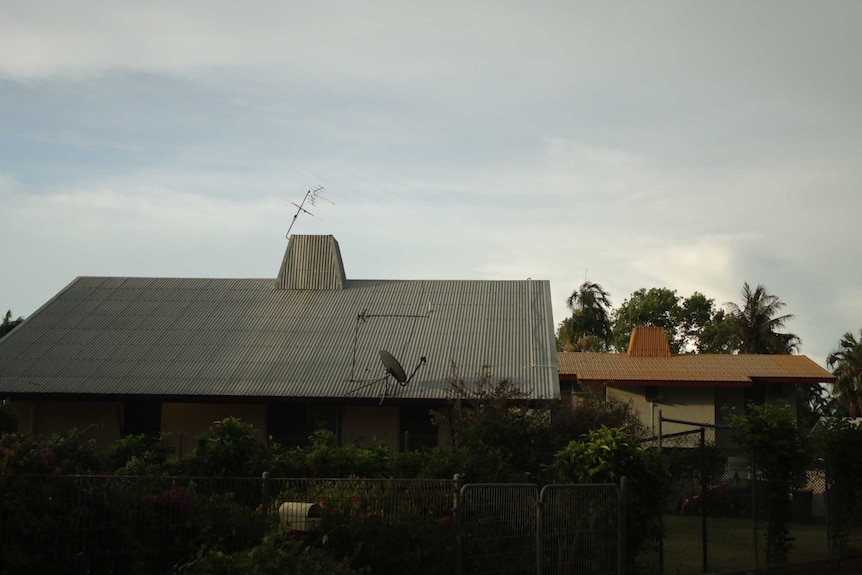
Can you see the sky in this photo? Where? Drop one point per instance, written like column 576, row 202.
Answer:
column 688, row 145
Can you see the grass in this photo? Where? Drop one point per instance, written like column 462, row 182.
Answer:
column 730, row 544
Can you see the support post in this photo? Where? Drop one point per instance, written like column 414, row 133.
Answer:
column 264, row 502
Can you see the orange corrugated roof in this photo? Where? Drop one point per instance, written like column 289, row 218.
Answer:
column 647, row 341
column 689, row 369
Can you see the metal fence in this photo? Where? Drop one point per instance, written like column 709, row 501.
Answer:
column 715, row 518
column 151, row 525
column 518, row 529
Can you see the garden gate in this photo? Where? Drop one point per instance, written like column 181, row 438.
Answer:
column 519, row 529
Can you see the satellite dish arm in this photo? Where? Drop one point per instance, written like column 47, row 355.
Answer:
column 422, row 361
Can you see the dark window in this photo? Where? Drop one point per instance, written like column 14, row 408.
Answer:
column 292, row 423
column 417, row 428
column 142, row 416
column 756, row 394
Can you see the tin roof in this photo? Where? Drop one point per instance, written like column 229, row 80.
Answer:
column 297, row 336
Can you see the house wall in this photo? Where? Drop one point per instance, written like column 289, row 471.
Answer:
column 685, row 403
column 362, row 425
column 370, row 425
column 99, row 420
column 185, row 421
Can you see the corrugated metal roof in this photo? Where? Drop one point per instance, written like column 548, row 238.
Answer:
column 244, row 337
column 692, row 369
column 311, row 262
column 648, row 342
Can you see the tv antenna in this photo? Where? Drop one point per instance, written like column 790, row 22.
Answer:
column 310, row 197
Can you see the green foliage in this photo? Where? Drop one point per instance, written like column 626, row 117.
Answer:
column 589, row 410
column 230, row 448
column 69, row 453
column 382, row 527
column 140, row 455
column 8, row 323
column 692, row 324
column 779, row 449
column 606, row 455
column 277, row 555
column 755, row 323
column 496, row 431
column 589, row 327
column 324, row 458
column 836, row 443
column 656, row 307
column 846, row 363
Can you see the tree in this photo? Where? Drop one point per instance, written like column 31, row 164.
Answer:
column 589, row 328
column 847, row 364
column 755, row 323
column 779, row 447
column 692, row 325
column 657, row 307
column 701, row 327
column 9, row 323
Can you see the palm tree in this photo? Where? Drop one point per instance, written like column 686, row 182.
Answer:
column 755, row 323
column 847, row 363
column 590, row 325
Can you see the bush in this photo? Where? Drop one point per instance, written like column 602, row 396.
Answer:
column 277, row 555
column 606, row 455
column 58, row 454
column 780, row 455
column 230, row 448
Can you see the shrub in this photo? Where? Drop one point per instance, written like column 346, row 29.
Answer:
column 780, row 455
column 277, row 555
column 606, row 455
column 230, row 448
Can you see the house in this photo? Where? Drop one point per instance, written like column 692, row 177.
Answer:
column 689, row 387
column 308, row 348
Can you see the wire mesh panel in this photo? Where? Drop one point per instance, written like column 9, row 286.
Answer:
column 145, row 525
column 580, row 529
column 720, row 507
column 497, row 529
column 88, row 524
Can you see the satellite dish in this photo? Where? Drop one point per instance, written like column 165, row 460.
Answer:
column 393, row 368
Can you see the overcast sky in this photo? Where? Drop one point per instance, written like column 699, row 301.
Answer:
column 687, row 145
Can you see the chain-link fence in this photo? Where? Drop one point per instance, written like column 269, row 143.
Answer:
column 717, row 511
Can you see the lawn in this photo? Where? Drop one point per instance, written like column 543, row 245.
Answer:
column 730, row 544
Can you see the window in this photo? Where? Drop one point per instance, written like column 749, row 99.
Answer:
column 416, row 430
column 142, row 417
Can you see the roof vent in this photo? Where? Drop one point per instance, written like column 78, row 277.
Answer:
column 649, row 342
column 311, row 262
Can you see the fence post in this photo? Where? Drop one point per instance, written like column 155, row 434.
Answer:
column 539, row 535
column 622, row 548
column 754, row 504
column 264, row 501
column 703, row 510
column 456, row 516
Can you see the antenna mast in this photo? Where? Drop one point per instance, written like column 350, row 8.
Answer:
column 310, row 196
